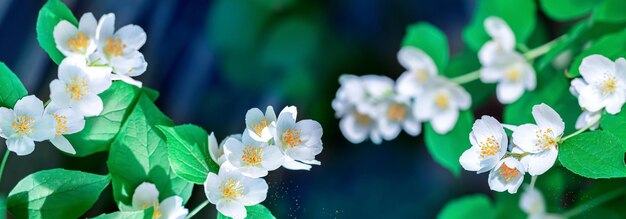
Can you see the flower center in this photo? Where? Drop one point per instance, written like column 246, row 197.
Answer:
column 545, row 139
column 507, row 173
column 513, row 75
column 231, row 190
column 258, row 128
column 78, row 43
column 442, row 101
column 252, row 156
column 362, row 119
column 291, row 137
column 421, row 75
column 156, row 213
column 77, row 88
column 489, row 147
column 609, row 85
column 23, row 126
column 396, row 112
column 114, row 47
column 61, row 124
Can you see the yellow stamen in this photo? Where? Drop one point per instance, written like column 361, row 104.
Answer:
column 23, row 126
column 545, row 139
column 258, row 128
column 513, row 75
column 252, row 156
column 61, row 124
column 77, row 88
column 156, row 213
column 489, row 147
column 362, row 119
column 291, row 138
column 422, row 75
column 396, row 112
column 231, row 190
column 114, row 47
column 441, row 101
column 507, row 172
column 78, row 43
column 609, row 85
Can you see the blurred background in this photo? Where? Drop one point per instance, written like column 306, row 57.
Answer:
column 214, row 60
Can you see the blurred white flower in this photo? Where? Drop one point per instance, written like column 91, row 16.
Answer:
column 540, row 140
column 78, row 86
column 73, row 41
column 533, row 204
column 252, row 158
column 606, row 84
column 231, row 191
column 420, row 68
column 147, row 196
column 258, row 123
column 25, row 124
column 119, row 49
column 489, row 145
column 501, row 63
column 299, row 141
column 68, row 121
column 396, row 115
column 508, row 175
column 586, row 117
column 441, row 104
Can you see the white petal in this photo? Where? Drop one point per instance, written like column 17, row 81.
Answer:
column 412, row 58
column 461, row 97
column 291, row 164
column 532, row 201
column 590, row 99
column 75, row 121
column 6, row 119
column 490, row 74
column 272, row 158
column 214, row 150
column 377, row 86
column 501, row 32
column 291, row 110
column 235, row 210
column 389, row 130
column 546, row 117
column 211, row 189
column 577, row 84
column 412, row 127
column 58, row 94
column 44, row 128
column 132, row 36
column 89, row 105
column 525, row 138
column 126, row 79
column 87, row 25
column 620, row 69
column 62, row 32
column 145, row 196
column 594, row 67
column 106, row 27
column 540, row 163
column 352, row 131
column 614, row 106
column 63, row 144
column 172, row 208
column 487, row 127
column 21, row 145
column 407, row 84
column 445, row 121
column 509, row 92
column 470, row 159
column 29, row 106
column 255, row 191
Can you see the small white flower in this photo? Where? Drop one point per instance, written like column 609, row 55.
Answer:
column 299, row 141
column 72, row 41
column 216, row 151
column 258, row 123
column 119, row 49
column 508, row 175
column 489, row 144
column 533, row 204
column 253, row 158
column 231, row 191
column 146, row 196
column 441, row 105
column 420, row 68
column 78, row 86
column 356, row 127
column 502, row 64
column 585, row 117
column 25, row 124
column 68, row 121
column 395, row 116
column 540, row 140
column 606, row 84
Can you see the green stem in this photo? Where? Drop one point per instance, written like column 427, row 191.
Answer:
column 197, row 209
column 4, row 162
column 539, row 51
column 466, row 78
column 593, row 203
column 591, row 124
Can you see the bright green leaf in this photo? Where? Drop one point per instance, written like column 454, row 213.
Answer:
column 139, row 154
column 253, row 212
column 53, row 12
column 56, row 193
column 520, row 15
column 145, row 214
column 429, row 39
column 188, row 152
column 597, row 154
column 610, row 11
column 446, row 149
column 612, row 46
column 468, row 206
column 563, row 10
column 12, row 88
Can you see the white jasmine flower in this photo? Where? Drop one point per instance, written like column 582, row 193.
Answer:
column 73, row 41
column 147, row 196
column 68, row 121
column 231, row 191
column 606, row 84
column 533, row 204
column 585, row 117
column 258, row 123
column 540, row 140
column 508, row 175
column 253, row 158
column 78, row 86
column 395, row 116
column 489, row 145
column 25, row 124
column 119, row 49
column 419, row 69
column 441, row 105
column 356, row 127
column 502, row 64
column 299, row 141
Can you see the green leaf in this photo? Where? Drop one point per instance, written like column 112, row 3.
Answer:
column 612, row 46
column 100, row 131
column 468, row 206
column 253, row 212
column 429, row 39
column 597, row 154
column 3, row 207
column 139, row 154
column 446, row 149
column 56, row 193
column 520, row 15
column 507, row 205
column 564, row 10
column 145, row 214
column 188, row 152
column 12, row 88
column 53, row 12
column 610, row 11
